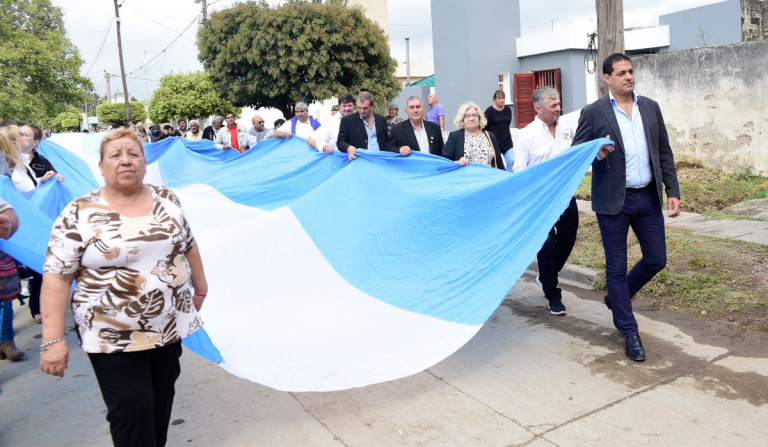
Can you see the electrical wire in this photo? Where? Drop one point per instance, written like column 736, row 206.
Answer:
column 591, row 55
column 102, row 45
column 162, row 52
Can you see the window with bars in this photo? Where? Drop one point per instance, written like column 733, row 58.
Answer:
column 504, row 86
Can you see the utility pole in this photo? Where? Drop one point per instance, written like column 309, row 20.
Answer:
column 109, row 87
column 146, row 85
column 407, row 61
column 610, row 36
column 126, row 96
column 205, row 11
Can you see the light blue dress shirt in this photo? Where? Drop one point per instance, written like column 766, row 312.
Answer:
column 638, row 156
column 373, row 142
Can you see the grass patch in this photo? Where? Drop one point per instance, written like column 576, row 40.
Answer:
column 705, row 276
column 722, row 215
column 704, row 190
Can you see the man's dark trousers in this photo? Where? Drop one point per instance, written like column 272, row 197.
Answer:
column 556, row 249
column 641, row 211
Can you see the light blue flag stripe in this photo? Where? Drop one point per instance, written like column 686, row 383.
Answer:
column 425, row 235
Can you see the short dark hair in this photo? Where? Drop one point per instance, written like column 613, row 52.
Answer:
column 6, row 123
column 37, row 130
column 167, row 126
column 499, row 94
column 612, row 59
column 181, row 120
column 346, row 98
column 279, row 122
column 229, row 113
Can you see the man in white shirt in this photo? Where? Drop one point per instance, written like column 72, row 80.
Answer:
column 194, row 134
column 415, row 133
column 324, row 138
column 302, row 125
column 539, row 141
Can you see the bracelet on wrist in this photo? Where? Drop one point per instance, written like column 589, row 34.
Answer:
column 201, row 294
column 49, row 343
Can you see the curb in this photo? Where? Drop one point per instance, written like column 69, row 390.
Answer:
column 571, row 274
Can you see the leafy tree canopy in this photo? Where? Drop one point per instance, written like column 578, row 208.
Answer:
column 56, row 124
column 263, row 56
column 187, row 95
column 39, row 65
column 115, row 115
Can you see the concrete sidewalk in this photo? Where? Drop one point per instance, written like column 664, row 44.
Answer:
column 527, row 378
column 741, row 230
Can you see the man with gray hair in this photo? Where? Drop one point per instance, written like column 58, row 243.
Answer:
column 415, row 134
column 212, row 131
column 302, row 125
column 539, row 141
column 194, row 133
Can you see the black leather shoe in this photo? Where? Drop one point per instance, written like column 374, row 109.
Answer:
column 607, row 302
column 635, row 349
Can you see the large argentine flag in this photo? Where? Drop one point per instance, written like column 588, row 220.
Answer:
column 327, row 274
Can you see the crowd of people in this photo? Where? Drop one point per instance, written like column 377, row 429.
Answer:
column 132, row 311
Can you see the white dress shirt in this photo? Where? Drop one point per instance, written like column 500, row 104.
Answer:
column 535, row 143
column 638, row 157
column 421, row 137
column 327, row 133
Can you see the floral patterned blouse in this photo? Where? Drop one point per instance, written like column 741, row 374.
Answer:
column 132, row 286
column 478, row 149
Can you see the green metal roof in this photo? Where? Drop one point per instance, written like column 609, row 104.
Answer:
column 429, row 81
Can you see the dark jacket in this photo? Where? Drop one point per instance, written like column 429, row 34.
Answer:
column 402, row 134
column 40, row 165
column 609, row 176
column 454, row 148
column 209, row 134
column 352, row 132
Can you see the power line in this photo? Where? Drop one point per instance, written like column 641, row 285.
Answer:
column 166, row 48
column 102, row 45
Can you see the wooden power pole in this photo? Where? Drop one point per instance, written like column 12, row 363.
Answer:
column 127, row 97
column 610, row 36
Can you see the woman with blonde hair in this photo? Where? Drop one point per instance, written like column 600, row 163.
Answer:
column 470, row 143
column 20, row 175
column 139, row 284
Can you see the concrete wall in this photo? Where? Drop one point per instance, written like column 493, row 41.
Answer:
column 572, row 72
column 720, row 23
column 754, row 20
column 473, row 42
column 714, row 101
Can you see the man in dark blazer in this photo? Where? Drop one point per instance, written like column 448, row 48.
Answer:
column 627, row 189
column 415, row 134
column 363, row 129
column 210, row 132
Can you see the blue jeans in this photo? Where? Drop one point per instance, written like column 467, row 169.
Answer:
column 6, row 321
column 641, row 211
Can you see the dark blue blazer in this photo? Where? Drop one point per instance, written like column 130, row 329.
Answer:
column 609, row 176
column 454, row 147
column 402, row 134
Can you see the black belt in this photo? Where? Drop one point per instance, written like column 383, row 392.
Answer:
column 641, row 189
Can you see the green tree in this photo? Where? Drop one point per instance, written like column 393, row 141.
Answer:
column 57, row 124
column 187, row 95
column 263, row 56
column 39, row 65
column 115, row 115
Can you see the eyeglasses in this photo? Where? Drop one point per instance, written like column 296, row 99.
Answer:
column 259, row 122
column 471, row 115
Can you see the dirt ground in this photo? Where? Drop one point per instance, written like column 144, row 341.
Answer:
column 717, row 280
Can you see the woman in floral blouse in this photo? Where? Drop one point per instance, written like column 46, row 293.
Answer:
column 139, row 283
column 470, row 143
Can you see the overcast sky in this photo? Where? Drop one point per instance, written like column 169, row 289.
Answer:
column 150, row 26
